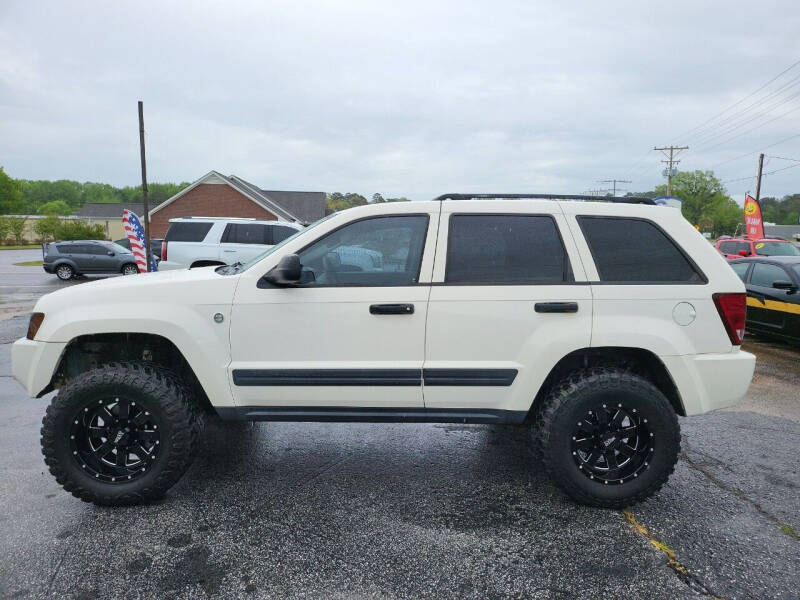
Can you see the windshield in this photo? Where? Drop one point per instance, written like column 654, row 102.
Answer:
column 241, row 267
column 776, row 249
column 119, row 249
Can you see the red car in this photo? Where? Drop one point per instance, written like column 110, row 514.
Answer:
column 732, row 248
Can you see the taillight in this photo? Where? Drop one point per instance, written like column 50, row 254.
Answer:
column 732, row 310
column 34, row 324
column 164, row 250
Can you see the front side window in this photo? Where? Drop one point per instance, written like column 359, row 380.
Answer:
column 764, row 275
column 505, row 250
column 776, row 249
column 627, row 250
column 381, row 251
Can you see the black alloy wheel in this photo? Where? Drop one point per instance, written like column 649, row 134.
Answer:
column 612, row 444
column 114, row 440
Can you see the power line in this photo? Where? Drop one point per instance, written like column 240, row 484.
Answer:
column 724, row 162
column 738, row 135
column 710, row 130
column 764, row 175
column 783, row 158
column 614, row 183
column 738, row 102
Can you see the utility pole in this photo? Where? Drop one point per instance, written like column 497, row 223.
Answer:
column 148, row 257
column 670, row 162
column 758, row 181
column 614, row 183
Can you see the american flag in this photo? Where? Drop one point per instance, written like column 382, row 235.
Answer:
column 135, row 233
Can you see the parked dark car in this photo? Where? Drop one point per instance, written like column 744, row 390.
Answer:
column 155, row 246
column 773, row 300
column 68, row 259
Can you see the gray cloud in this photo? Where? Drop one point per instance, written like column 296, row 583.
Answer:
column 406, row 98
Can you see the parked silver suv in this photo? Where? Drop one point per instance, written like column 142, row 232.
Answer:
column 79, row 257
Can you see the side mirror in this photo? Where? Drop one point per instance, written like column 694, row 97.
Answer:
column 744, row 253
column 288, row 271
column 782, row 284
column 110, row 253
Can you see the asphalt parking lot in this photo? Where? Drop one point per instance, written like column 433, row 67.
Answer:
column 408, row 511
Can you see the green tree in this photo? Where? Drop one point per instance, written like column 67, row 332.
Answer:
column 377, row 198
column 705, row 201
column 338, row 201
column 54, row 208
column 11, row 202
column 47, row 228
column 5, row 228
column 16, row 226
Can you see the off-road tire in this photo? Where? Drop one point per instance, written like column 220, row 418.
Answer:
column 570, row 399
column 155, row 388
column 65, row 272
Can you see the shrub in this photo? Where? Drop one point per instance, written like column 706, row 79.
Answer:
column 16, row 226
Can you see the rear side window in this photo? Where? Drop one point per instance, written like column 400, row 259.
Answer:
column 764, row 275
column 505, row 250
column 280, row 233
column 187, row 232
column 64, row 248
column 734, row 247
column 246, row 233
column 75, row 249
column 740, row 269
column 98, row 250
column 629, row 250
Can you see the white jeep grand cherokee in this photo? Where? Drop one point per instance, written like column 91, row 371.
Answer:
column 593, row 323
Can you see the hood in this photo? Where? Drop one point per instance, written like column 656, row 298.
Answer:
column 190, row 286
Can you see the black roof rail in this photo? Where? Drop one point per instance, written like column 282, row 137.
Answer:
column 620, row 199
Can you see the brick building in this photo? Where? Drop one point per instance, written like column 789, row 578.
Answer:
column 218, row 195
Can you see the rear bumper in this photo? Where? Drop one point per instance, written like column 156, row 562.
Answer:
column 33, row 363
column 707, row 382
column 47, row 268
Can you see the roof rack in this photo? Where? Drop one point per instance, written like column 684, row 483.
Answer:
column 620, row 199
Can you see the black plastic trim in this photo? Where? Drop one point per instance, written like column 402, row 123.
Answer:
column 469, row 377
column 344, row 414
column 332, row 377
column 618, row 199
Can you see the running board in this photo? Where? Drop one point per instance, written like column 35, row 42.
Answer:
column 369, row 415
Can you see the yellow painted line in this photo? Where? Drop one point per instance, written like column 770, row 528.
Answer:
column 786, row 307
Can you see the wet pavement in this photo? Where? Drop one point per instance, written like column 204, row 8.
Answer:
column 286, row 510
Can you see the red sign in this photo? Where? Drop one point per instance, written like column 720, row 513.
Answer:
column 752, row 218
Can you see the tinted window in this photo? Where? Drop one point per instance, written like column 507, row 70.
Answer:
column 776, row 249
column 64, row 248
column 764, row 274
column 280, row 233
column 382, row 251
column 740, row 269
column 246, row 233
column 634, row 250
column 734, row 247
column 97, row 249
column 187, row 232
column 75, row 249
column 505, row 249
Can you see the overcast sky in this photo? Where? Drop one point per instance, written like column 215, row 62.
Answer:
column 403, row 98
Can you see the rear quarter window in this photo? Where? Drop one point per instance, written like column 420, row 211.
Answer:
column 187, row 232
column 629, row 250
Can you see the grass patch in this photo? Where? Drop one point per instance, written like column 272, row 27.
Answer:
column 30, row 263
column 21, row 247
column 789, row 530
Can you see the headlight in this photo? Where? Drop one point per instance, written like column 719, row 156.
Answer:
column 34, row 324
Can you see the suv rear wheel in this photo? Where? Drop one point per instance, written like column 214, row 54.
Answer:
column 64, row 272
column 120, row 434
column 608, row 437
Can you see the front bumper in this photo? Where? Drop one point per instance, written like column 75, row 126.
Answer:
column 710, row 381
column 33, row 363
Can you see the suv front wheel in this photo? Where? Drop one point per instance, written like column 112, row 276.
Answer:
column 608, row 437
column 120, row 434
